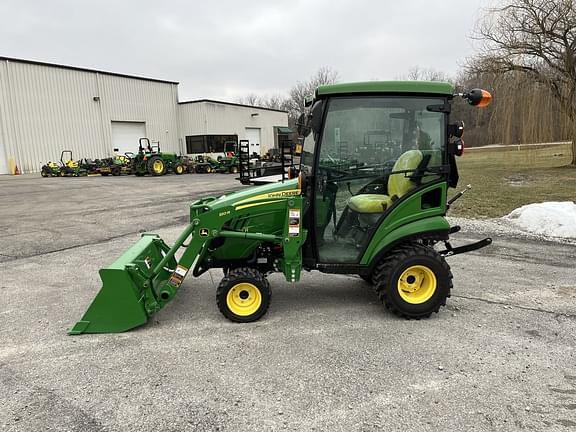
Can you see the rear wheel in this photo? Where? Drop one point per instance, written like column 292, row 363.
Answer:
column 243, row 295
column 413, row 281
column 156, row 166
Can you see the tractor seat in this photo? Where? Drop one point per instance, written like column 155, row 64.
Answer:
column 369, row 203
column 398, row 185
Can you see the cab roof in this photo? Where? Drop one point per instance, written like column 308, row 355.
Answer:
column 420, row 87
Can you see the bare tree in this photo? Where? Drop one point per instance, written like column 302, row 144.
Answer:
column 536, row 38
column 417, row 73
column 250, row 99
column 294, row 102
column 302, row 89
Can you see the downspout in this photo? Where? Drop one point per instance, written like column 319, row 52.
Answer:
column 102, row 134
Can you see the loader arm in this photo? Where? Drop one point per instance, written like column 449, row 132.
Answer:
column 148, row 275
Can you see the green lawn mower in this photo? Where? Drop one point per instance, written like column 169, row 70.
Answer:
column 150, row 160
column 381, row 217
column 70, row 167
column 50, row 169
column 205, row 164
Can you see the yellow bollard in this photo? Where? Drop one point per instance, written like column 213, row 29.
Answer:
column 12, row 167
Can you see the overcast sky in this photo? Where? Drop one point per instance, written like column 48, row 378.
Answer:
column 227, row 49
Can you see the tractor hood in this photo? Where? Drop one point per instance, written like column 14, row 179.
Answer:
column 250, row 197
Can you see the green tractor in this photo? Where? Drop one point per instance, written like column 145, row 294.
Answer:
column 150, row 160
column 383, row 220
column 229, row 164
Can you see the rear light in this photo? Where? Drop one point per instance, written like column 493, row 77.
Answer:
column 460, row 147
column 456, row 148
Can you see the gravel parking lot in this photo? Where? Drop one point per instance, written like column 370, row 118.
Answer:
column 327, row 356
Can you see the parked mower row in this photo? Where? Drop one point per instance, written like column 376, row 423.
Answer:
column 149, row 160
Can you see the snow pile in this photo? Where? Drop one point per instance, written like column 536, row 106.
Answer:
column 553, row 219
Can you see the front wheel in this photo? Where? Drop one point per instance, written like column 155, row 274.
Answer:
column 179, row 169
column 243, row 295
column 413, row 281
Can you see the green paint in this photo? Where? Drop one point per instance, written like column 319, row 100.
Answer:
column 406, row 219
column 419, row 88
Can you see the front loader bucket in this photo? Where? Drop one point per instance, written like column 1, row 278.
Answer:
column 130, row 290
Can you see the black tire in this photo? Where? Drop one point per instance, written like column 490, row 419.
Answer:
column 403, row 281
column 153, row 165
column 178, row 169
column 243, row 285
column 116, row 171
column 234, row 170
column 45, row 172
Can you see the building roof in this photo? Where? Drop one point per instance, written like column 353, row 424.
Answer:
column 56, row 65
column 230, row 103
column 430, row 87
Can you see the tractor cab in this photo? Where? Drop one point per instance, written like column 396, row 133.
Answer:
column 375, row 156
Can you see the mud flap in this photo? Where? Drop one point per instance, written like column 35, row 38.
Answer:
column 130, row 290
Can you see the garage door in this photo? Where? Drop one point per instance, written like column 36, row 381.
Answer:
column 125, row 136
column 253, row 135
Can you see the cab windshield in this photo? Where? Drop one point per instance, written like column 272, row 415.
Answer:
column 374, row 132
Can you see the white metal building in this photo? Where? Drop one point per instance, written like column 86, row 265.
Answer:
column 205, row 125
column 46, row 108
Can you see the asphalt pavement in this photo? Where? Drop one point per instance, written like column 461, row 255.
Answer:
column 327, row 356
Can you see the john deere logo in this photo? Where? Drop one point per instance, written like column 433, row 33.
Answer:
column 204, row 232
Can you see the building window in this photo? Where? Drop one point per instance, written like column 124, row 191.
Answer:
column 210, row 143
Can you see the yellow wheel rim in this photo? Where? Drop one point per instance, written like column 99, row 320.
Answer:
column 158, row 166
column 417, row 284
column 179, row 169
column 244, row 299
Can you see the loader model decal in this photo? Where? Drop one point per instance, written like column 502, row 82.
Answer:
column 271, row 195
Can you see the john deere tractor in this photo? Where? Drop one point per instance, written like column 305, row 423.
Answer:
column 380, row 216
column 150, row 160
column 229, row 162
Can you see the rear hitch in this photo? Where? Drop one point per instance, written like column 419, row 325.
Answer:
column 449, row 251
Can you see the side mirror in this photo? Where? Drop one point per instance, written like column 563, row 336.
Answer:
column 478, row 97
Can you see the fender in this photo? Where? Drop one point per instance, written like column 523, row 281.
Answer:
column 436, row 227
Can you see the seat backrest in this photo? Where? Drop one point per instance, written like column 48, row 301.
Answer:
column 401, row 183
